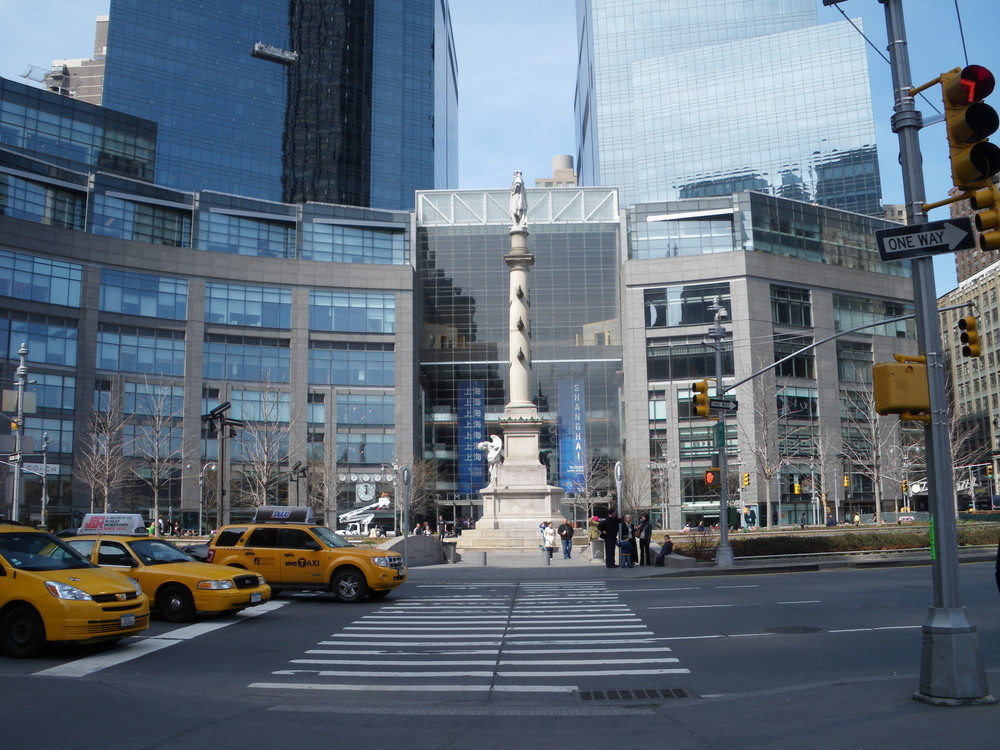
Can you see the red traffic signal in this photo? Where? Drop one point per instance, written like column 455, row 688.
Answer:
column 974, row 160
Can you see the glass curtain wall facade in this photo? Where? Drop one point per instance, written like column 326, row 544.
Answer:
column 462, row 237
column 690, row 99
column 336, row 102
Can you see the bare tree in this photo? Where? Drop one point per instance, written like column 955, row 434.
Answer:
column 155, row 441
column 424, row 477
column 871, row 442
column 595, row 478
column 262, row 444
column 321, row 489
column 636, row 496
column 100, row 461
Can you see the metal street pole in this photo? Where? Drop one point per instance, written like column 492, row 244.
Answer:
column 45, row 476
column 201, row 495
column 18, row 458
column 951, row 668
column 724, row 553
column 406, row 512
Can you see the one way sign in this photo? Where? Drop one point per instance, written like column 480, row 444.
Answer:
column 925, row 239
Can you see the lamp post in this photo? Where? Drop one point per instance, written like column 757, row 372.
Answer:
column 45, row 476
column 201, row 493
column 297, row 472
column 17, row 458
column 724, row 554
column 224, row 427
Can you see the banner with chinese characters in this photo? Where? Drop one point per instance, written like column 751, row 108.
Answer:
column 471, row 431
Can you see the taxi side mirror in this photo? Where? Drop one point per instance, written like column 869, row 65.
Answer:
column 313, row 545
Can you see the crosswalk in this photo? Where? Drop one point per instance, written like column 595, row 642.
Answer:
column 518, row 638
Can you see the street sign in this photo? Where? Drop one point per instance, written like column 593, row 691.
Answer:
column 725, row 404
column 920, row 240
column 14, row 458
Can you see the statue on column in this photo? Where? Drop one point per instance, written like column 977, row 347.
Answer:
column 518, row 203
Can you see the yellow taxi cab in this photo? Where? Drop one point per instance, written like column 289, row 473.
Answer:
column 178, row 585
column 48, row 593
column 291, row 551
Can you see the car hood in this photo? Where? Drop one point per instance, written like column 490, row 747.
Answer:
column 92, row 580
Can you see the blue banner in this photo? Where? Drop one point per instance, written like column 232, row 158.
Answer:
column 471, row 415
column 572, row 436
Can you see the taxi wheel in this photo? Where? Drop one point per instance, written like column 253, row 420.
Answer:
column 175, row 604
column 349, row 585
column 22, row 633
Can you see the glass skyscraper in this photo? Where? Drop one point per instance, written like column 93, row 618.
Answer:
column 336, row 102
column 689, row 99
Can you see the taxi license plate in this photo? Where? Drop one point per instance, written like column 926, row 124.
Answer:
column 255, row 597
column 398, row 577
column 127, row 621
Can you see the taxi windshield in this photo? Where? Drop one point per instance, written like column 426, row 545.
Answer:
column 329, row 538
column 35, row 551
column 157, row 552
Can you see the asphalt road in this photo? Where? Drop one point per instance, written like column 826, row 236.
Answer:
column 827, row 659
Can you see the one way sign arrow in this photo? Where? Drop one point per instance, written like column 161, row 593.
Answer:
column 920, row 240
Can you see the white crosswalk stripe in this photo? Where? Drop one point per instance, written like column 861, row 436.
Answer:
column 504, row 638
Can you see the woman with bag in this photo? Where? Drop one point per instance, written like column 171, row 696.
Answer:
column 549, row 535
column 643, row 533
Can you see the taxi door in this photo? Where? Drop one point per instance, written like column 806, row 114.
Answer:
column 117, row 556
column 261, row 553
column 301, row 558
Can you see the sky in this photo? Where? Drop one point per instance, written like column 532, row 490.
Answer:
column 517, row 73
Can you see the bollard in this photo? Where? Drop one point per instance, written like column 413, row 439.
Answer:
column 546, row 557
column 482, row 558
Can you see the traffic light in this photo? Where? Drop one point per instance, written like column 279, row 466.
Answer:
column 712, row 477
column 700, row 399
column 974, row 160
column 970, row 336
column 797, row 489
column 986, row 201
column 746, row 479
column 901, row 388
column 905, row 486
column 989, row 471
column 847, row 481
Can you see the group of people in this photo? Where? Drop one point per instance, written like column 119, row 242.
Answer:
column 629, row 541
column 564, row 534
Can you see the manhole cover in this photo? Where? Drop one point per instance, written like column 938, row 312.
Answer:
column 791, row 630
column 633, row 695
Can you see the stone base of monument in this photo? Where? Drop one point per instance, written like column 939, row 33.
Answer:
column 513, row 507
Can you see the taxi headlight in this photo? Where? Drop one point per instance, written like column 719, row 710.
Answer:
column 136, row 586
column 261, row 580
column 385, row 561
column 216, row 585
column 65, row 591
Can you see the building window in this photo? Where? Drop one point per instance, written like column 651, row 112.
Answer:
column 153, row 399
column 343, row 244
column 141, row 222
column 50, row 340
column 800, row 365
column 791, row 306
column 239, row 235
column 25, row 277
column 41, row 203
column 686, row 361
column 336, row 363
column 683, row 305
column 121, row 349
column 850, row 312
column 357, row 312
column 797, row 403
column 365, row 448
column 366, row 409
column 141, row 294
column 854, row 362
column 236, row 305
column 54, row 392
column 247, row 358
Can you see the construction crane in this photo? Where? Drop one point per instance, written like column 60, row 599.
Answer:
column 357, row 521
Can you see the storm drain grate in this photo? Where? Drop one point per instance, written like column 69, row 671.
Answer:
column 633, row 695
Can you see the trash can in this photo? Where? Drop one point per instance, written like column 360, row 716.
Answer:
column 449, row 550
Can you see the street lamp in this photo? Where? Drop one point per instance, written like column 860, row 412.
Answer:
column 224, row 427
column 201, row 493
column 724, row 554
column 297, row 472
column 45, row 476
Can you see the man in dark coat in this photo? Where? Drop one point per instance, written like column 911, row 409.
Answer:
column 608, row 530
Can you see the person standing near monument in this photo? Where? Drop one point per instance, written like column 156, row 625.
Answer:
column 549, row 535
column 608, row 530
column 565, row 532
column 643, row 534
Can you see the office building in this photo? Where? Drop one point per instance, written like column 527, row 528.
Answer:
column 693, row 99
column 335, row 102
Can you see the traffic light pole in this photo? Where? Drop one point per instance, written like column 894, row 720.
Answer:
column 951, row 669
column 724, row 553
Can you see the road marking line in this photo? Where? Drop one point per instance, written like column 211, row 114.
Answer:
column 147, row 645
column 477, row 662
column 549, row 673
column 804, row 601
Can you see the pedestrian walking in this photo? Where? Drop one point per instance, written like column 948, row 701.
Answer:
column 608, row 530
column 643, row 534
column 549, row 535
column 565, row 532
